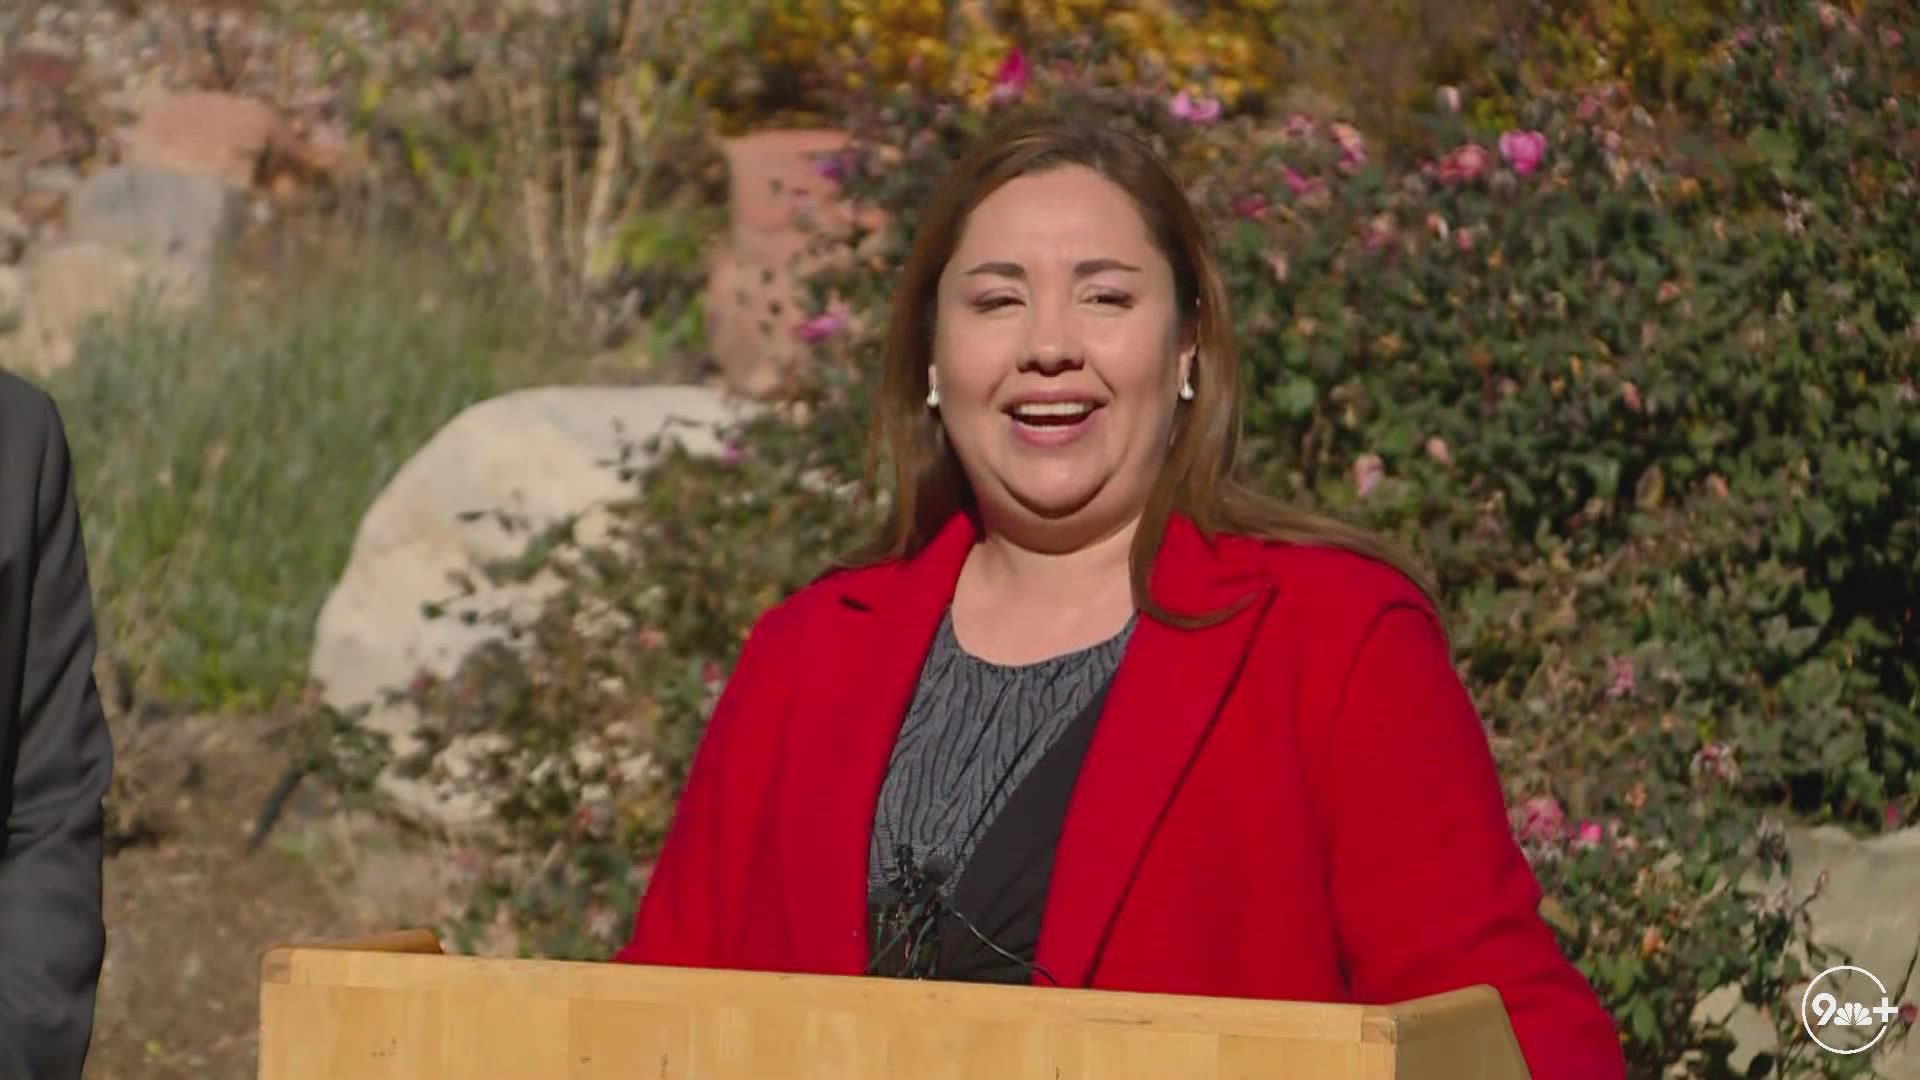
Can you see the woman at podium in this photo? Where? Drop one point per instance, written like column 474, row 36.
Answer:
column 1092, row 712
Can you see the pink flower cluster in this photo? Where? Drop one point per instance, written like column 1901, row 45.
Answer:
column 1010, row 81
column 1193, row 108
column 1368, row 471
column 1347, row 138
column 836, row 166
column 1716, row 760
column 1542, row 823
column 1523, row 151
column 1353, row 148
column 1622, row 680
column 823, row 326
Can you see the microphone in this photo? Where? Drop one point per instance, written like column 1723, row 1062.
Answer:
column 937, row 869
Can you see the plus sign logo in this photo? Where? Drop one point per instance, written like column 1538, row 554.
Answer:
column 1846, row 1009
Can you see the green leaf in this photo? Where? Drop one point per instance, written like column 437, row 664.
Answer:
column 1295, row 398
column 1819, row 605
column 1775, row 148
column 1641, row 1020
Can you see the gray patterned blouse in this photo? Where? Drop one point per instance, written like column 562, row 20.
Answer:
column 974, row 730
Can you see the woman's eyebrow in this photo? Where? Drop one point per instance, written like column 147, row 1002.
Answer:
column 1084, row 268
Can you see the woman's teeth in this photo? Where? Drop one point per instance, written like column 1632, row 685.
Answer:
column 1052, row 412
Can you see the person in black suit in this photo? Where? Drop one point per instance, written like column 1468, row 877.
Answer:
column 56, row 756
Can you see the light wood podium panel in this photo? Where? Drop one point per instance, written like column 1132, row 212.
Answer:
column 395, row 1008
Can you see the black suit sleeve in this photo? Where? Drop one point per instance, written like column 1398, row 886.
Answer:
column 52, row 938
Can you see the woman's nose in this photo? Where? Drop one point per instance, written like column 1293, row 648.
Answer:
column 1050, row 345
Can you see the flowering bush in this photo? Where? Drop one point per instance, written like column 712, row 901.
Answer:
column 805, row 54
column 1645, row 401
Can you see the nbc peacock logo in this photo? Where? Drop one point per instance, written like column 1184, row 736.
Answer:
column 1846, row 1009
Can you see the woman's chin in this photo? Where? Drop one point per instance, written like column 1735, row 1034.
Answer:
column 1055, row 502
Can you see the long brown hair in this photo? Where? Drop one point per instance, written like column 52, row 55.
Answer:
column 1197, row 478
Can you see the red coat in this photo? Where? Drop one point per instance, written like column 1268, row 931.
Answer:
column 1297, row 803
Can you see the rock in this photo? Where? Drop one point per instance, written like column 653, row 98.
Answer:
column 41, row 67
column 52, row 179
column 1866, row 910
column 40, row 207
column 171, row 219
column 779, row 204
column 13, row 298
column 539, row 455
column 203, row 133
column 14, row 235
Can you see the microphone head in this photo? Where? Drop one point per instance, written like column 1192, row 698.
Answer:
column 938, row 868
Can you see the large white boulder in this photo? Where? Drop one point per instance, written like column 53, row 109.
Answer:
column 521, row 462
column 1869, row 909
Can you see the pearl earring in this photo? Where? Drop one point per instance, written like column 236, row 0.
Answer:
column 1186, row 390
column 933, row 397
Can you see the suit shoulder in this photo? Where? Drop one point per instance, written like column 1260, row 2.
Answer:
column 25, row 407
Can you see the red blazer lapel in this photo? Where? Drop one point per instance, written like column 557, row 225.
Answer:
column 882, row 628
column 1162, row 703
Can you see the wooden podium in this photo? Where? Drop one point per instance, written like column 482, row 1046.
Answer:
column 395, row 1008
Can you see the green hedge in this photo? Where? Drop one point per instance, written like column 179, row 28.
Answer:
column 1641, row 392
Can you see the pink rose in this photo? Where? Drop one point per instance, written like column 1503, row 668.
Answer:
column 1464, row 164
column 1010, row 81
column 1524, row 150
column 1379, row 232
column 1353, row 148
column 1541, row 820
column 1368, row 470
column 822, row 326
column 1437, row 450
column 1588, row 834
column 835, row 166
column 1301, row 186
column 1194, row 110
column 1298, row 126
column 1621, row 679
column 1716, row 760
column 1463, row 239
column 1250, row 206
